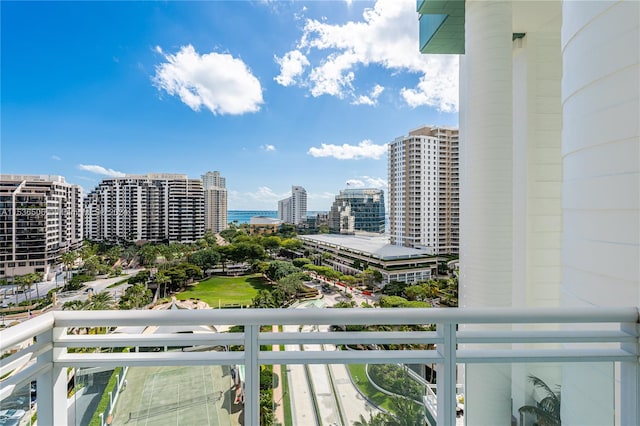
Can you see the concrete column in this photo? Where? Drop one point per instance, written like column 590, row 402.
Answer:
column 537, row 177
column 601, row 185
column 486, row 153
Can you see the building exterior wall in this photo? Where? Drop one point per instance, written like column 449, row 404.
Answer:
column 298, row 205
column 486, row 153
column 40, row 219
column 550, row 182
column 284, row 210
column 152, row 207
column 215, row 202
column 409, row 269
column 424, row 189
column 293, row 210
column 358, row 210
column 600, row 44
column 263, row 225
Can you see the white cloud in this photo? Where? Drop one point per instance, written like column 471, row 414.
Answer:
column 321, row 196
column 268, row 148
column 55, row 157
column 100, row 170
column 386, row 36
column 218, row 81
column 292, row 65
column 371, row 99
column 365, row 149
column 367, row 181
column 376, row 182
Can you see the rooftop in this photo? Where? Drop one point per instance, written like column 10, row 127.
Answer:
column 372, row 245
column 264, row 220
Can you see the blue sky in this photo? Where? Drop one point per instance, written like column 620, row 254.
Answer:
column 270, row 93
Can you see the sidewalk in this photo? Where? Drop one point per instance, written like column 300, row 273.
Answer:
column 278, row 391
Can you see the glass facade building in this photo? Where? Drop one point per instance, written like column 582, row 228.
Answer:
column 358, row 209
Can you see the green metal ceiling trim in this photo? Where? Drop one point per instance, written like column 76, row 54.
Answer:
column 441, row 26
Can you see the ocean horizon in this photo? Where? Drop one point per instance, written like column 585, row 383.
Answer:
column 244, row 216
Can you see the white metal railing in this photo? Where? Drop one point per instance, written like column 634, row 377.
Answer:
column 603, row 334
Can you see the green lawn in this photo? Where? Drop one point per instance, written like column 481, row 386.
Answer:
column 360, row 379
column 226, row 290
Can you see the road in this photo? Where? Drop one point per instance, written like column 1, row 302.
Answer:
column 44, row 287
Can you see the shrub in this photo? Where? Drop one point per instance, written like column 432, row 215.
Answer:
column 395, row 379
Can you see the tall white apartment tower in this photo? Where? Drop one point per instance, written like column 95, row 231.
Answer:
column 284, row 210
column 293, row 209
column 215, row 202
column 298, row 205
column 152, row 207
column 40, row 219
column 424, row 191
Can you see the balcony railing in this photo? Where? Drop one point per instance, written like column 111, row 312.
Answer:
column 551, row 335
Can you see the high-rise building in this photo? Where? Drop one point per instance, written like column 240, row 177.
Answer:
column 293, row 209
column 40, row 218
column 423, row 190
column 298, row 205
column 549, row 107
column 213, row 180
column 284, row 210
column 358, row 209
column 215, row 202
column 151, row 207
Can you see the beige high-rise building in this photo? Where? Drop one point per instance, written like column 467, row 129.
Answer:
column 424, row 190
column 215, row 202
column 151, row 207
column 40, row 219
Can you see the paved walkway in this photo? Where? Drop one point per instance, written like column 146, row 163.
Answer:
column 303, row 412
column 278, row 391
column 323, row 391
column 349, row 401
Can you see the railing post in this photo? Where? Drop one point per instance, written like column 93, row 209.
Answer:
column 52, row 385
column 630, row 379
column 446, row 373
column 251, row 376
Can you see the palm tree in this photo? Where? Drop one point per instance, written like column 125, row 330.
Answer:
column 380, row 419
column 135, row 296
column 68, row 259
column 20, row 283
column 406, row 413
column 161, row 279
column 547, row 411
column 32, row 278
column 74, row 305
column 100, row 301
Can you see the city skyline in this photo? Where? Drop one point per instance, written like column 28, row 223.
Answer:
column 312, row 92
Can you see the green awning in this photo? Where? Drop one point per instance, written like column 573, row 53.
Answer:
column 441, row 26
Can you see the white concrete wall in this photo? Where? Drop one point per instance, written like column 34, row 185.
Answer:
column 537, row 182
column 537, row 167
column 601, row 189
column 486, row 195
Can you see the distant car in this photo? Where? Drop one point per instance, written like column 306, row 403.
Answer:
column 11, row 417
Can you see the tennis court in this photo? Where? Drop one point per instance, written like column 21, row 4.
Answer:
column 194, row 395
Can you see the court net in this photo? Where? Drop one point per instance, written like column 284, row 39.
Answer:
column 158, row 410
